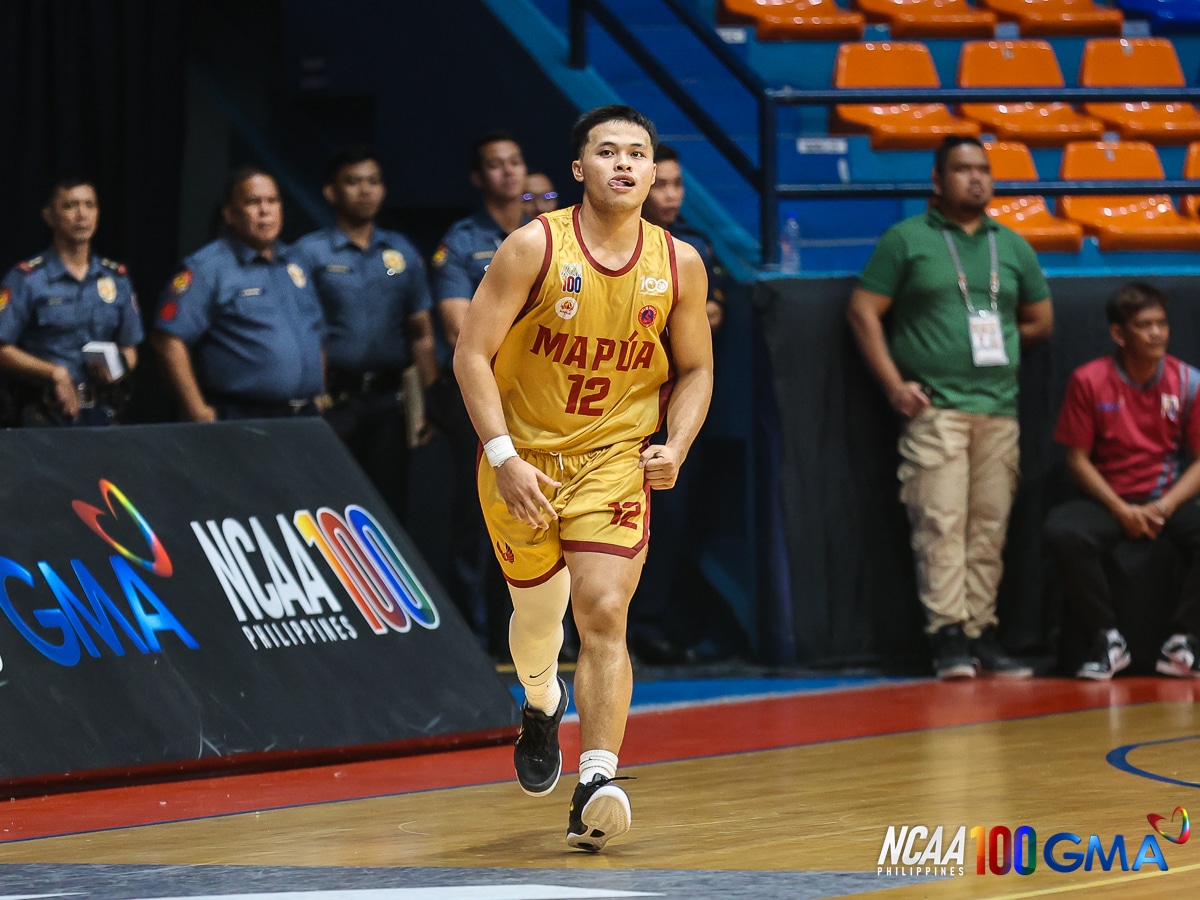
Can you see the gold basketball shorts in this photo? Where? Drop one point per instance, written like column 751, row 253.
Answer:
column 603, row 506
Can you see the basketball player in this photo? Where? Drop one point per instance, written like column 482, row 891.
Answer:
column 565, row 368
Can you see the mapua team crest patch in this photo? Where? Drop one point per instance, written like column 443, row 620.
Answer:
column 567, row 307
column 647, row 315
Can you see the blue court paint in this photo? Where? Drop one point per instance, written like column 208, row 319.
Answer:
column 1119, row 759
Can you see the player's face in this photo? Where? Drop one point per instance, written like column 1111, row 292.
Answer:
column 616, row 166
column 255, row 212
column 73, row 213
column 666, row 195
column 1144, row 337
column 501, row 174
column 966, row 184
column 357, row 192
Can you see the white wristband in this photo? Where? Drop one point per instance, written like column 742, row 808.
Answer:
column 499, row 450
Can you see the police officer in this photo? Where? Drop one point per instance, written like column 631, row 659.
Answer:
column 373, row 289
column 54, row 304
column 498, row 171
column 239, row 329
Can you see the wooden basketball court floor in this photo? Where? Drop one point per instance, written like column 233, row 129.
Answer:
column 761, row 796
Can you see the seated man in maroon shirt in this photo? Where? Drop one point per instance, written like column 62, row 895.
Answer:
column 1132, row 435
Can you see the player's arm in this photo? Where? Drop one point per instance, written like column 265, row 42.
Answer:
column 691, row 355
column 491, row 313
column 865, row 314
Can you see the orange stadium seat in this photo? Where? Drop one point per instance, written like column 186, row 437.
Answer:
column 1148, row 62
column 897, row 125
column 1124, row 222
column 1029, row 216
column 930, row 18
column 1021, row 64
column 1191, row 170
column 1057, row 18
column 789, row 20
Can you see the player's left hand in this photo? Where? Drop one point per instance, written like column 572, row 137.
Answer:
column 661, row 466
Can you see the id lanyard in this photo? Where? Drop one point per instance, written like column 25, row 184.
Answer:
column 987, row 334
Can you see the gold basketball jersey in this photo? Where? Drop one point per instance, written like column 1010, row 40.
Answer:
column 585, row 364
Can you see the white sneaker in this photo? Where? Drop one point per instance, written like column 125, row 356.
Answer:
column 1179, row 658
column 1110, row 654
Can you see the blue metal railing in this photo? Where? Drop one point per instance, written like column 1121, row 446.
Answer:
column 763, row 176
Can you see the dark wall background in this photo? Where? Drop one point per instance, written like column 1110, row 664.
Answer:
column 94, row 87
column 850, row 594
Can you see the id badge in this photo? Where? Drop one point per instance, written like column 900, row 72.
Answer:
column 987, row 338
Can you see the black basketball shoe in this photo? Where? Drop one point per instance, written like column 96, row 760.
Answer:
column 599, row 812
column 536, row 756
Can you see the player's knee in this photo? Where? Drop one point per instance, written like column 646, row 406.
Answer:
column 603, row 619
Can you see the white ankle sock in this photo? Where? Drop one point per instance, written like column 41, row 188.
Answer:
column 545, row 697
column 597, row 762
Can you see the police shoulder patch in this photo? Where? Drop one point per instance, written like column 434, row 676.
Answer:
column 181, row 282
column 29, row 265
column 440, row 254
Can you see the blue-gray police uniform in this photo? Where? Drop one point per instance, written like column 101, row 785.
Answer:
column 716, row 274
column 464, row 255
column 474, row 580
column 253, row 327
column 368, row 296
column 49, row 314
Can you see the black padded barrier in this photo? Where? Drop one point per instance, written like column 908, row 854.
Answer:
column 184, row 598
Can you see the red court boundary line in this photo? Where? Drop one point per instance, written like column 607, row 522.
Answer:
column 714, row 729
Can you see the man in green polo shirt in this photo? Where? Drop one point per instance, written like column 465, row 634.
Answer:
column 962, row 294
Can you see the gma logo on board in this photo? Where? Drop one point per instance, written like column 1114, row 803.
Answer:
column 917, row 850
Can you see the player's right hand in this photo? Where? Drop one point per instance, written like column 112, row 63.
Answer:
column 520, row 485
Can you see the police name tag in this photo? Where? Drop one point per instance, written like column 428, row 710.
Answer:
column 987, row 338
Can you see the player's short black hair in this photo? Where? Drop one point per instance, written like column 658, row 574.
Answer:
column 349, row 156
column 1130, row 299
column 615, row 112
column 492, row 137
column 949, row 143
column 244, row 172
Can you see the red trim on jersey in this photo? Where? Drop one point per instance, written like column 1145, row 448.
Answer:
column 541, row 579
column 603, row 270
column 542, row 273
column 674, row 270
